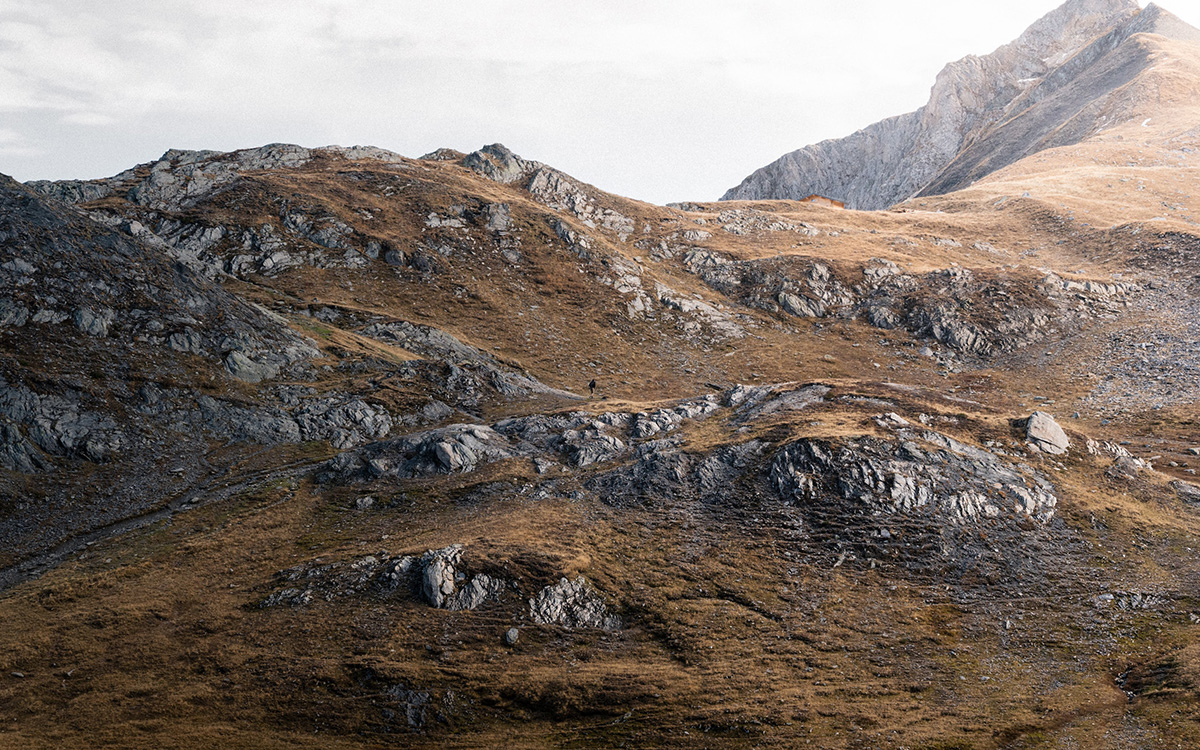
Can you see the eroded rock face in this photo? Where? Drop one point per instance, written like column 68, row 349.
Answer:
column 900, row 156
column 572, row 604
column 914, row 474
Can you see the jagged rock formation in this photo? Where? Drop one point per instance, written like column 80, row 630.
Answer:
column 1065, row 78
column 572, row 604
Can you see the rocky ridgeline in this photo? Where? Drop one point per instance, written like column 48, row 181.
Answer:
column 1060, row 82
column 173, row 209
column 181, row 179
column 967, row 311
column 158, row 202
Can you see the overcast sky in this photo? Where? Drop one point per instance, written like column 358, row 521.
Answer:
column 661, row 100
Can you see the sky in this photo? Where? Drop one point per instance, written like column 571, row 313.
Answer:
column 661, row 100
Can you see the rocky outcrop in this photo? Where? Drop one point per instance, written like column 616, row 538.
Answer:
column 57, row 425
column 438, row 577
column 445, row 586
column 974, row 313
column 343, row 421
column 549, row 187
column 914, row 474
column 471, row 369
column 454, row 449
column 1033, row 89
column 572, row 604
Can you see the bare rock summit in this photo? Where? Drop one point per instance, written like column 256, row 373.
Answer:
column 1064, row 78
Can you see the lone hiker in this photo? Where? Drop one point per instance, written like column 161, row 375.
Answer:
column 592, row 388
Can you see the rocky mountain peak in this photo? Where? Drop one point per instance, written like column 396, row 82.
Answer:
column 1035, row 84
column 1075, row 23
column 497, row 162
column 1154, row 19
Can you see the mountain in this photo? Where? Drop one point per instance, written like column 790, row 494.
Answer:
column 297, row 448
column 1080, row 70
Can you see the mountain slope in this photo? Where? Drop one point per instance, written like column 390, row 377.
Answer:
column 1068, row 76
column 102, row 338
column 810, row 502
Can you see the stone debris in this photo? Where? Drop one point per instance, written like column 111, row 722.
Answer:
column 438, row 577
column 1129, row 601
column 1151, row 365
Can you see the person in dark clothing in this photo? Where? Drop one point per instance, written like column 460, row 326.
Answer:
column 592, row 388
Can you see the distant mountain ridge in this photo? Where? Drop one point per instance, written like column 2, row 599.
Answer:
column 1062, row 80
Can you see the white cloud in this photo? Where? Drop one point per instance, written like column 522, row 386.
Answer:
column 92, row 119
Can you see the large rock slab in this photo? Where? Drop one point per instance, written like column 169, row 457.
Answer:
column 1045, row 434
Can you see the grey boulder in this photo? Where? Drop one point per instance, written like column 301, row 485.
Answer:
column 572, row 604
column 1045, row 434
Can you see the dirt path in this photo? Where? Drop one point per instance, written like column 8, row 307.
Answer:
column 207, row 492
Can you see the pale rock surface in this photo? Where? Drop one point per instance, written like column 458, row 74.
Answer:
column 1045, row 434
column 901, row 156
